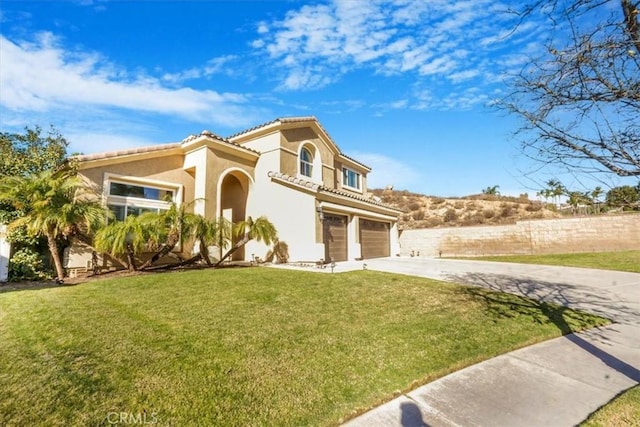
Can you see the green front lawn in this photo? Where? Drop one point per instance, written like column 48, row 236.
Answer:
column 254, row 346
column 623, row 411
column 622, row 261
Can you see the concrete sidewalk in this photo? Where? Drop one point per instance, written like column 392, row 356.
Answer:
column 554, row 383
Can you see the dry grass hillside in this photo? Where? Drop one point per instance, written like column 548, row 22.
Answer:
column 422, row 211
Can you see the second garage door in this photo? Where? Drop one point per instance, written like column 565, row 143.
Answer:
column 374, row 239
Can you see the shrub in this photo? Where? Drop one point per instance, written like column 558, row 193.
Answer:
column 533, row 207
column 419, row 215
column 433, row 222
column 506, row 211
column 474, row 220
column 414, row 206
column 450, row 215
column 26, row 264
column 488, row 213
column 459, row 204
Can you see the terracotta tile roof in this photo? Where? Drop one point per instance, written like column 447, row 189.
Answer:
column 158, row 147
column 281, row 120
column 137, row 150
column 212, row 135
column 298, row 181
column 322, row 188
column 299, row 120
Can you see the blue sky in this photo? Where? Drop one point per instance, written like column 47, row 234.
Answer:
column 404, row 86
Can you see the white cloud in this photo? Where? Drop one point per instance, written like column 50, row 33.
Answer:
column 42, row 76
column 263, row 28
column 220, row 65
column 438, row 66
column 315, row 45
column 463, row 75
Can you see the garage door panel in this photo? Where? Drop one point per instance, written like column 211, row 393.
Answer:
column 374, row 239
column 335, row 237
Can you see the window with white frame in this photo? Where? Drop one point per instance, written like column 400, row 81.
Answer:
column 306, row 162
column 125, row 198
column 350, row 178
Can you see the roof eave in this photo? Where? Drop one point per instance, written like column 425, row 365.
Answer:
column 88, row 161
column 221, row 144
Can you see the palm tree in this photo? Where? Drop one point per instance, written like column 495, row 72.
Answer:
column 595, row 198
column 493, row 191
column 577, row 198
column 261, row 230
column 203, row 230
column 207, row 232
column 167, row 229
column 222, row 234
column 55, row 204
column 123, row 240
column 556, row 189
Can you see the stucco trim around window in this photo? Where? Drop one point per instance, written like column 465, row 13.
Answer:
column 119, row 194
column 351, row 179
column 306, row 162
column 309, row 162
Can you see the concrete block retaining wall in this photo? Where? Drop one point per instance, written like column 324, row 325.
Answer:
column 578, row 234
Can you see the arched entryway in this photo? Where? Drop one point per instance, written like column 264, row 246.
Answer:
column 234, row 190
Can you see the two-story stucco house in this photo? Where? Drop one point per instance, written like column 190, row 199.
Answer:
column 288, row 170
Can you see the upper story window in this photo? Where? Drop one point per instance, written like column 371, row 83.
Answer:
column 350, row 178
column 306, row 162
column 128, row 198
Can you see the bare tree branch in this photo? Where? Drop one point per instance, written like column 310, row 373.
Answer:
column 580, row 103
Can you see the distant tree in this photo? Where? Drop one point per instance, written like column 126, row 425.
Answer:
column 555, row 189
column 579, row 102
column 623, row 197
column 493, row 191
column 577, row 199
column 55, row 205
column 546, row 194
column 31, row 152
column 595, row 198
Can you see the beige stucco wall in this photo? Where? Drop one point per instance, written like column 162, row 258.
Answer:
column 166, row 169
column 581, row 234
column 218, row 165
column 293, row 139
column 290, row 210
column 288, row 163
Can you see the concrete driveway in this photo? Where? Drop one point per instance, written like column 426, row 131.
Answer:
column 554, row 383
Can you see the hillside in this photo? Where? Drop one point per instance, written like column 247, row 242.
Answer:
column 427, row 212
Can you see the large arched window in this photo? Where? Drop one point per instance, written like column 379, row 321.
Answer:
column 306, row 162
